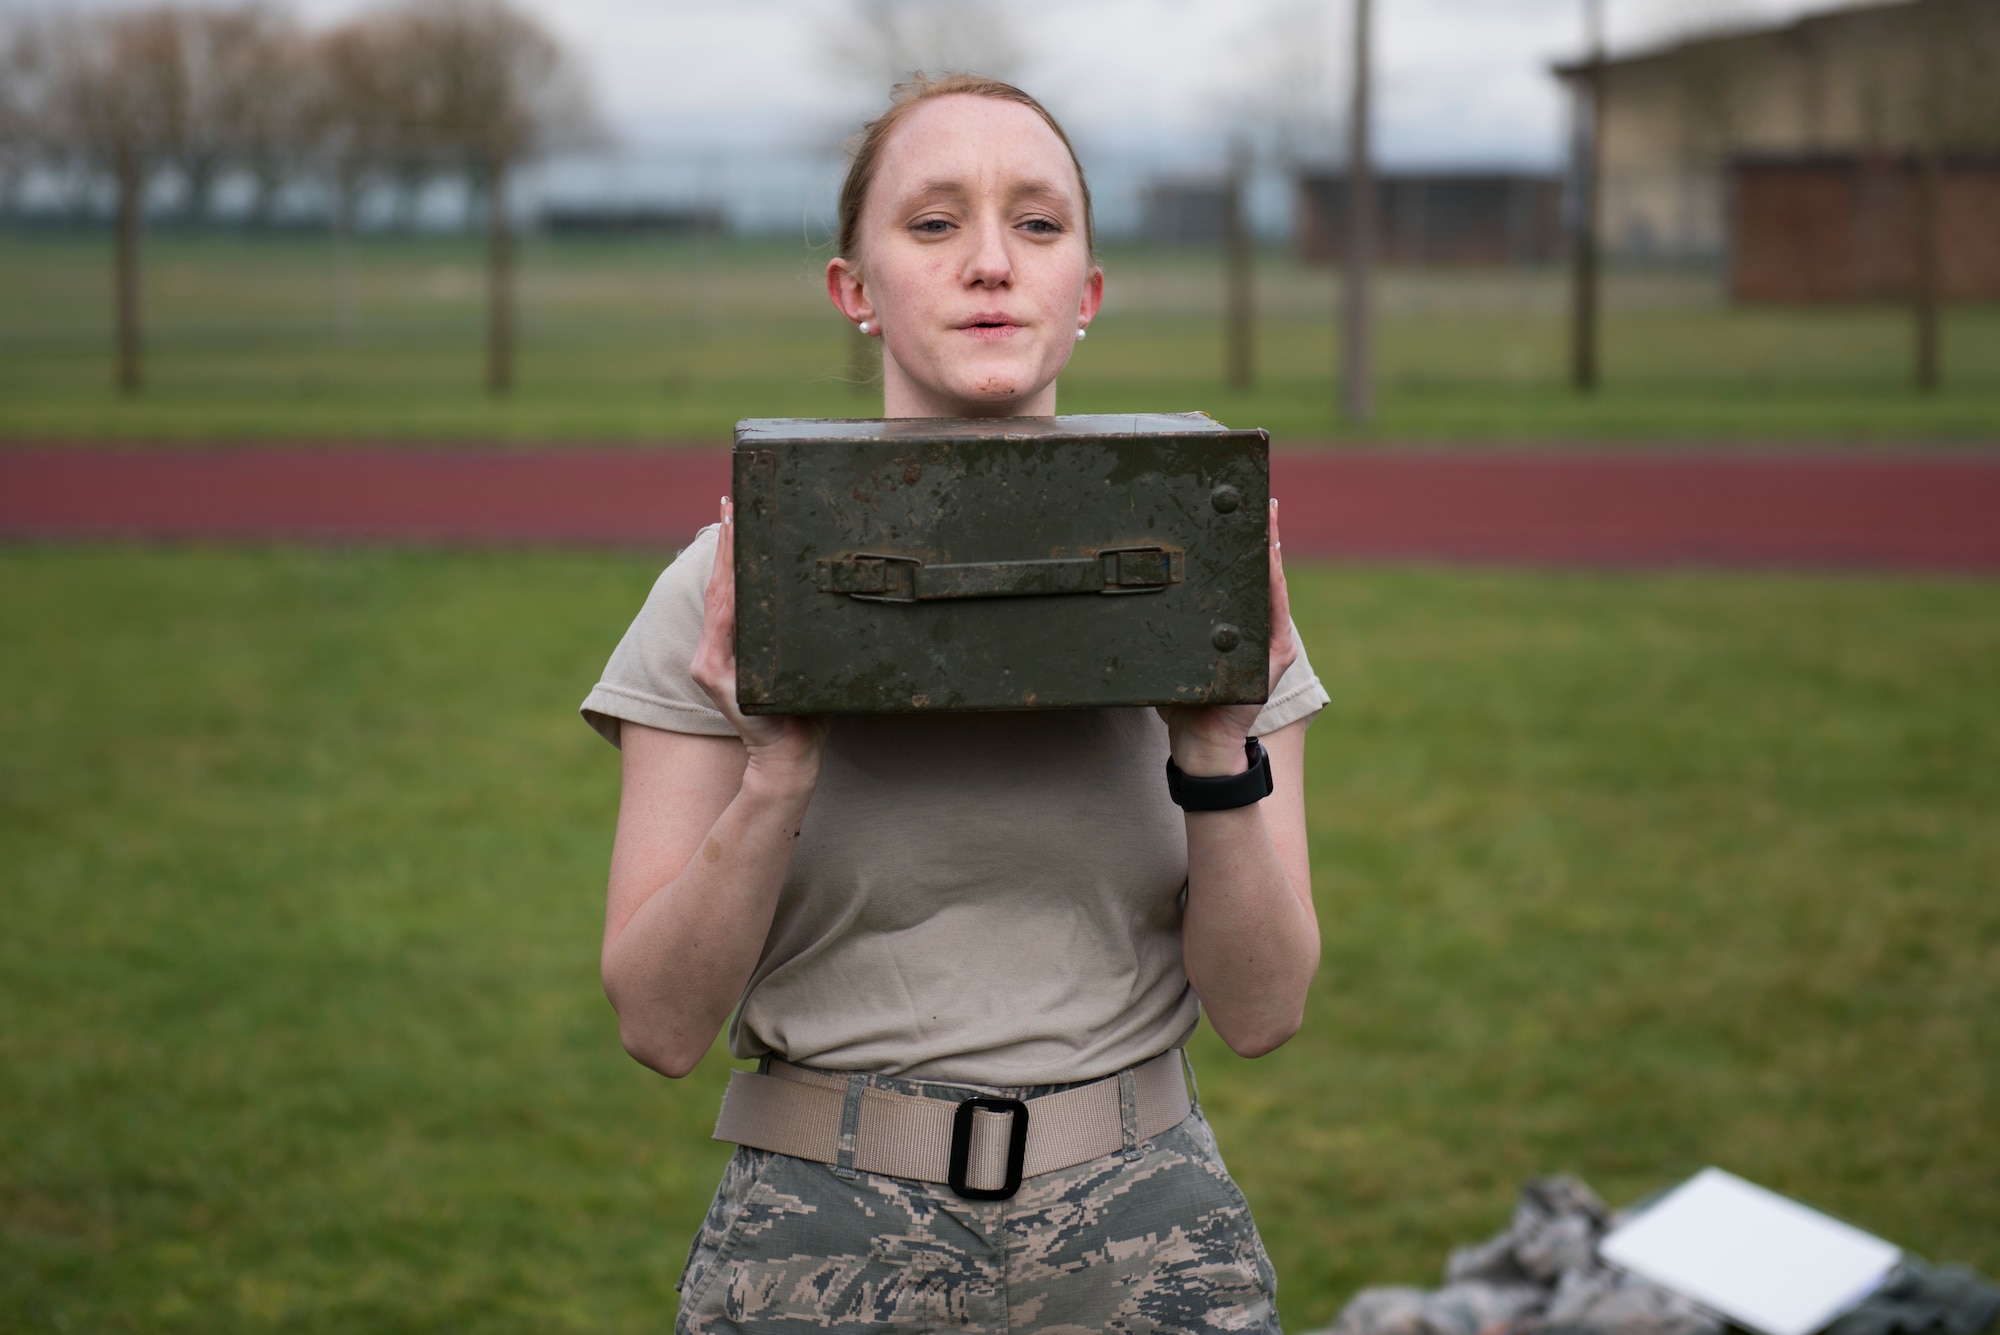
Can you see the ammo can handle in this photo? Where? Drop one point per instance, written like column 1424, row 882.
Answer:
column 872, row 577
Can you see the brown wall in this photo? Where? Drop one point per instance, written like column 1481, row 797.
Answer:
column 1472, row 220
column 1845, row 229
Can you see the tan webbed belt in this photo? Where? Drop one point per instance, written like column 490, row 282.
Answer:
column 982, row 1146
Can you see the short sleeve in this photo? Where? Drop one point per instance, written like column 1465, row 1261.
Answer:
column 648, row 680
column 1298, row 694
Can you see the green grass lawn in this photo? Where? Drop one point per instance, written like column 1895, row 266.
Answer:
column 277, row 338
column 303, row 860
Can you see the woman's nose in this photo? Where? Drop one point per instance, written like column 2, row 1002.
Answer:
column 989, row 264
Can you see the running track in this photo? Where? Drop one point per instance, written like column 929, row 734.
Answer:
column 1915, row 512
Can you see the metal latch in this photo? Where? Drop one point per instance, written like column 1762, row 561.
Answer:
column 1140, row 569
column 871, row 578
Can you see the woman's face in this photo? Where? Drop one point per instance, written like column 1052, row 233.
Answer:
column 974, row 267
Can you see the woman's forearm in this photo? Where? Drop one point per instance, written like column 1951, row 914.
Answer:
column 678, row 965
column 1249, row 944
column 1249, row 937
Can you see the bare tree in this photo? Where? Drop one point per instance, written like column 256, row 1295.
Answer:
column 117, row 88
column 39, row 60
column 1281, row 104
column 24, row 98
column 248, row 105
column 349, row 114
column 484, row 87
column 470, row 87
column 193, row 137
column 874, row 44
column 349, row 126
column 1283, row 98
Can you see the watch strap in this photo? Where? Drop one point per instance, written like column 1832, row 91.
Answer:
column 1223, row 792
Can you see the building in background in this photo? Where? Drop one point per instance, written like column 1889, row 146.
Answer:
column 1826, row 92
column 1847, row 227
column 1184, row 212
column 650, row 220
column 1464, row 219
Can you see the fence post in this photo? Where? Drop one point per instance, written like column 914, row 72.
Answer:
column 1587, row 165
column 129, row 166
column 499, row 281
column 1930, row 183
column 1357, row 354
column 1239, row 261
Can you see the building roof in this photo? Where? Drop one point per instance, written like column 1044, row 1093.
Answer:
column 1720, row 37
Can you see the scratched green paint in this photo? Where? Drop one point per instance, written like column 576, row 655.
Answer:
column 1002, row 587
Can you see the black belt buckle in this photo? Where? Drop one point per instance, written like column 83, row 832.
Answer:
column 961, row 1147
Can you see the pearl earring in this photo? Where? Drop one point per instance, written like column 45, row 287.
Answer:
column 865, row 329
column 1081, row 332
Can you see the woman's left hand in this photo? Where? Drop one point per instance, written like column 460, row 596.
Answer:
column 1207, row 740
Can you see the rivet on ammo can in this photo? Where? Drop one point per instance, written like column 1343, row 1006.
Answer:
column 1225, row 638
column 1225, row 499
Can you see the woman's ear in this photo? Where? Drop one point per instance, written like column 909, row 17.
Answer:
column 847, row 291
column 1093, row 295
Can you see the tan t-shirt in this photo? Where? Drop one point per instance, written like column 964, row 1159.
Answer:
column 985, row 898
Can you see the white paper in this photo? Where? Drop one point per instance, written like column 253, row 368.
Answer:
column 1767, row 1263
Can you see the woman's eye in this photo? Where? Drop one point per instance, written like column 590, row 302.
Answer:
column 1043, row 226
column 931, row 227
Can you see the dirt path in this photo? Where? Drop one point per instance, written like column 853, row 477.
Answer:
column 1938, row 512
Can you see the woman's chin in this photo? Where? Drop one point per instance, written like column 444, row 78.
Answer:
column 987, row 387
column 995, row 393
column 996, row 389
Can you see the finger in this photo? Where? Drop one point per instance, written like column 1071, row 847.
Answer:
column 720, row 605
column 1281, row 599
column 714, row 667
column 714, row 663
column 1284, row 644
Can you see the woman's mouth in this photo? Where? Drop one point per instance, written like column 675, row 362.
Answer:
column 989, row 327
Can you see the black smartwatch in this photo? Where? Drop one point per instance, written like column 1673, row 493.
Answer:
column 1223, row 792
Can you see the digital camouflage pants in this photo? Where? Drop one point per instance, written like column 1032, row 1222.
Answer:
column 1151, row 1241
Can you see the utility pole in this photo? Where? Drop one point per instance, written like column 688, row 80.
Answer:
column 340, row 219
column 1357, row 359
column 1929, row 293
column 1587, row 171
column 1929, row 287
column 129, row 166
column 1239, row 262
column 499, row 281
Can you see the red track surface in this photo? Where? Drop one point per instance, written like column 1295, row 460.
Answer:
column 1937, row 512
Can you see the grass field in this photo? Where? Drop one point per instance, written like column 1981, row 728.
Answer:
column 303, row 860
column 275, row 338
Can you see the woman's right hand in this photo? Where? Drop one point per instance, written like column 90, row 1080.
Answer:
column 785, row 748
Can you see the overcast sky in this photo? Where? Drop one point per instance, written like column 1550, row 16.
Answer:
column 1141, row 84
column 1461, row 80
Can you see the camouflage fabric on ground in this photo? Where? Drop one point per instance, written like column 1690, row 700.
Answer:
column 1539, row 1277
column 1160, row 1243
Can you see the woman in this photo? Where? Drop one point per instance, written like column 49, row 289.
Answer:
column 908, row 912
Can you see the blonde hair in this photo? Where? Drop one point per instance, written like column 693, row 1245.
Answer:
column 905, row 98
